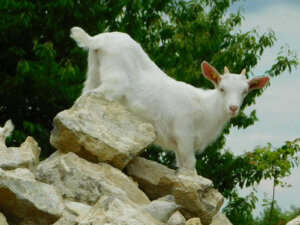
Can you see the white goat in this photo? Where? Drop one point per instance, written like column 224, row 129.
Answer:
column 5, row 131
column 186, row 118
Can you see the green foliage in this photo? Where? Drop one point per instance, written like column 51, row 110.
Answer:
column 279, row 217
column 244, row 217
column 239, row 209
column 42, row 70
column 275, row 163
column 263, row 163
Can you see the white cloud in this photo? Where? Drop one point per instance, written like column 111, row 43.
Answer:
column 282, row 18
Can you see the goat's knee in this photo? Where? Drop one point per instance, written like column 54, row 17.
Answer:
column 110, row 93
column 112, row 89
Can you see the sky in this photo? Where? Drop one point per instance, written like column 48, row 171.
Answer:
column 278, row 109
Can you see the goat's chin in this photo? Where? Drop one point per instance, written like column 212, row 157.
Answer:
column 232, row 114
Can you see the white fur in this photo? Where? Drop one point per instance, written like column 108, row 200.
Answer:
column 5, row 131
column 186, row 118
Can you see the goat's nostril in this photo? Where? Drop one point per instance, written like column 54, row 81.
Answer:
column 233, row 108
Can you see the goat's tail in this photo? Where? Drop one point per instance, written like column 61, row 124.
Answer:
column 82, row 38
column 7, row 129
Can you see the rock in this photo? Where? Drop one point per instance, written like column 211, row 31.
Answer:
column 220, row 219
column 177, row 219
column 114, row 211
column 71, row 213
column 26, row 201
column 77, row 208
column 99, row 130
column 295, row 221
column 82, row 181
column 67, row 219
column 5, row 131
column 193, row 193
column 26, row 156
column 3, row 219
column 194, row 221
column 111, row 210
column 163, row 208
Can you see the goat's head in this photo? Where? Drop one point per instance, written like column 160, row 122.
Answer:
column 232, row 88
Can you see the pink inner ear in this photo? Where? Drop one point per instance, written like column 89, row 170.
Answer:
column 210, row 73
column 258, row 83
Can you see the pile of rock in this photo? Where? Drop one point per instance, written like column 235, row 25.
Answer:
column 83, row 182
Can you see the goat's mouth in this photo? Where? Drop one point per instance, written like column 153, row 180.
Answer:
column 232, row 114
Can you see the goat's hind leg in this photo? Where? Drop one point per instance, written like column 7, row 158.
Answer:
column 93, row 73
column 113, row 86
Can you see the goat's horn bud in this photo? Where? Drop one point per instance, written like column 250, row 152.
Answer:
column 226, row 70
column 243, row 72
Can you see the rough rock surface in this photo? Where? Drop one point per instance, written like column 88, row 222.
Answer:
column 82, row 181
column 26, row 156
column 67, row 218
column 26, row 201
column 163, row 208
column 3, row 219
column 177, row 219
column 295, row 221
column 72, row 211
column 114, row 211
column 194, row 221
column 193, row 193
column 99, row 130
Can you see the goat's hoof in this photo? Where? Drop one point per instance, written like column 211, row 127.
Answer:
column 185, row 171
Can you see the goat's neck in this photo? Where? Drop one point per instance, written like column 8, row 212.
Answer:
column 215, row 106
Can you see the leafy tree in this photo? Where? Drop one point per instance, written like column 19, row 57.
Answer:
column 279, row 217
column 264, row 162
column 42, row 70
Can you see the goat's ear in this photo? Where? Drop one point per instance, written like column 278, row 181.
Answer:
column 226, row 70
column 258, row 82
column 211, row 73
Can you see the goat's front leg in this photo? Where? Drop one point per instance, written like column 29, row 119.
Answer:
column 185, row 154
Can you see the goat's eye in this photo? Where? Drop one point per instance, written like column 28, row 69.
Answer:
column 221, row 89
column 245, row 92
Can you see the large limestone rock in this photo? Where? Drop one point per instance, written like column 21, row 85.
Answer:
column 26, row 156
column 193, row 193
column 3, row 219
column 99, row 130
column 82, row 181
column 28, row 202
column 113, row 211
column 295, row 221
